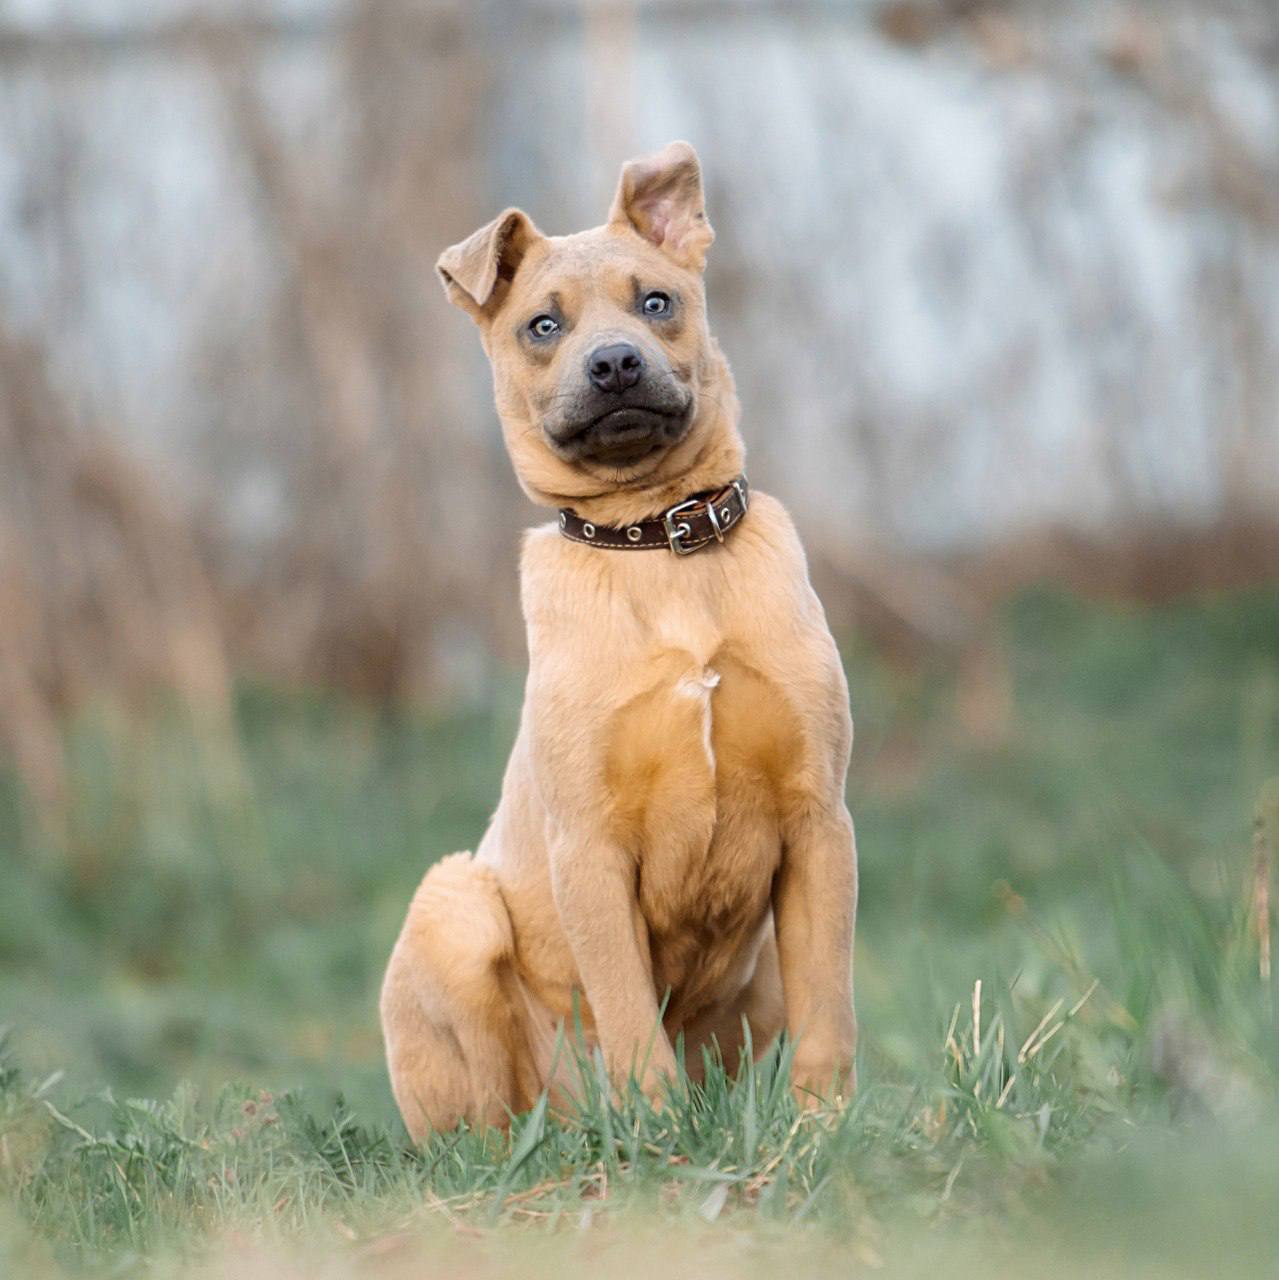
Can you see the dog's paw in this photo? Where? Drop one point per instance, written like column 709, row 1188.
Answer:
column 651, row 1079
column 820, row 1086
column 655, row 1083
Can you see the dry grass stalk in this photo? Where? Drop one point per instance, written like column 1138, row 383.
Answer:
column 1265, row 837
column 1261, row 902
column 977, row 1017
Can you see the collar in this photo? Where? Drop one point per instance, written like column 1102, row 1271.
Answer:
column 684, row 528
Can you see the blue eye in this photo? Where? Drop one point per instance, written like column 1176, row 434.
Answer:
column 657, row 303
column 543, row 326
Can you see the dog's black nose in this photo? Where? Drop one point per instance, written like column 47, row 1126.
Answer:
column 615, row 368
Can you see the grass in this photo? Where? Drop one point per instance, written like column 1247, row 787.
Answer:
column 1069, row 1062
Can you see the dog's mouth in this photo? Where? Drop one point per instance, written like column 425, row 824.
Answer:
column 623, row 437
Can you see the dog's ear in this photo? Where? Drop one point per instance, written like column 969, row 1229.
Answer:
column 660, row 196
column 476, row 271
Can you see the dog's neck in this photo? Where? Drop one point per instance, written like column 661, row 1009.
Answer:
column 713, row 466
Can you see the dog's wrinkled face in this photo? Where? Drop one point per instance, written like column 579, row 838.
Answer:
column 598, row 341
column 601, row 338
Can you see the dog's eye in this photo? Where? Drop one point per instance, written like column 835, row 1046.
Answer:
column 657, row 303
column 543, row 326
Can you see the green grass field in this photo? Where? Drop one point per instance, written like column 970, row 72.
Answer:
column 1069, row 1060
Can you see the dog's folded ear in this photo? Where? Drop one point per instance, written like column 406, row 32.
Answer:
column 476, row 271
column 660, row 196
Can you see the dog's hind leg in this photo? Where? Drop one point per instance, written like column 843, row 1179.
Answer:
column 454, row 1040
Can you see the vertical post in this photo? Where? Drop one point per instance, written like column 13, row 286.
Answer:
column 608, row 46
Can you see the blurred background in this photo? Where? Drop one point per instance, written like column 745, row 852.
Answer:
column 999, row 281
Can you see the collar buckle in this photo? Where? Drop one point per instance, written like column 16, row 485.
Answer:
column 677, row 532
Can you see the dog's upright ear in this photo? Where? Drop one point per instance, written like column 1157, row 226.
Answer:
column 660, row 196
column 477, row 271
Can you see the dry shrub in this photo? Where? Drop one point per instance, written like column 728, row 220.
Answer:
column 387, row 484
column 396, row 511
column 1145, row 564
column 103, row 598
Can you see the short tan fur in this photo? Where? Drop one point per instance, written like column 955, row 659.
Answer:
column 672, row 824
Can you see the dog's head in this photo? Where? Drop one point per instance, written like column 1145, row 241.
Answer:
column 603, row 366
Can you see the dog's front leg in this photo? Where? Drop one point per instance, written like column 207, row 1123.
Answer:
column 814, row 908
column 594, row 886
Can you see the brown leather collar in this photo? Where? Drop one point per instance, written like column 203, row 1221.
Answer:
column 684, row 528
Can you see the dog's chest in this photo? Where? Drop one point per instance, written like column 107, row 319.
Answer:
column 699, row 767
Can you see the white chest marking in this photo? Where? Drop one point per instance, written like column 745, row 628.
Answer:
column 700, row 686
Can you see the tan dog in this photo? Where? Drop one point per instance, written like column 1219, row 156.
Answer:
column 672, row 823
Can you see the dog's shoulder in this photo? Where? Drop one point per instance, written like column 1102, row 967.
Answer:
column 537, row 542
column 769, row 517
column 768, row 533
column 556, row 575
column 542, row 555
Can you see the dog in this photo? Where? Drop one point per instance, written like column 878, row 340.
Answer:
column 672, row 858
